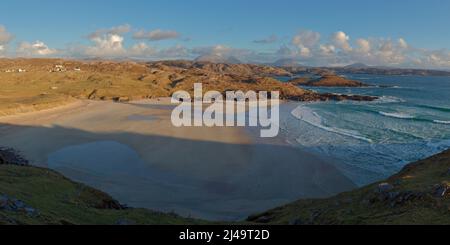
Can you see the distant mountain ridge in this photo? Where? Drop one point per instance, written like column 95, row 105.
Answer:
column 357, row 66
column 218, row 59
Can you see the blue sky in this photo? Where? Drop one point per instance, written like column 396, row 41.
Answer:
column 234, row 26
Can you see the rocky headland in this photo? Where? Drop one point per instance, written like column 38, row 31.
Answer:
column 327, row 81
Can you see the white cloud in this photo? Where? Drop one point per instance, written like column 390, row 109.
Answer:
column 327, row 49
column 389, row 54
column 341, row 40
column 306, row 39
column 439, row 58
column 364, row 46
column 37, row 48
column 5, row 36
column 226, row 52
column 141, row 50
column 402, row 43
column 305, row 47
column 305, row 52
column 107, row 45
column 156, row 35
column 116, row 30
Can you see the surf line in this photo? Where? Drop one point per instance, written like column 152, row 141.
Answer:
column 231, row 111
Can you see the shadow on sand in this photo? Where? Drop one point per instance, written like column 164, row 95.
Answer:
column 210, row 180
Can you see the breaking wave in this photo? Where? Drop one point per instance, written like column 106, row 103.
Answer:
column 399, row 115
column 441, row 122
column 311, row 117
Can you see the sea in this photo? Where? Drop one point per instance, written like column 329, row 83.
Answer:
column 369, row 141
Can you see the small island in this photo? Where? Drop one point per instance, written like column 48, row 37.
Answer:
column 328, row 80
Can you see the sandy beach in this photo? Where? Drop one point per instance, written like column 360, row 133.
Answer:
column 132, row 151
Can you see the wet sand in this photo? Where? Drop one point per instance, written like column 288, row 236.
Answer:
column 133, row 152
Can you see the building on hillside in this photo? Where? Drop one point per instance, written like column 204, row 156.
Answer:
column 58, row 68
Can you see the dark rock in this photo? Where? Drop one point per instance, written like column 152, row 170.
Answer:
column 18, row 204
column 385, row 187
column 263, row 219
column 441, row 190
column 121, row 99
column 93, row 94
column 14, row 205
column 111, row 204
column 11, row 157
column 3, row 201
column 30, row 211
column 314, row 216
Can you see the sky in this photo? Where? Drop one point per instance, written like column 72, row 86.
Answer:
column 413, row 33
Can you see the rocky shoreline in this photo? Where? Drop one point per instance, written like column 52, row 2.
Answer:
column 331, row 97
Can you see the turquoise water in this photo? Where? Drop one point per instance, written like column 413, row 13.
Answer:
column 373, row 140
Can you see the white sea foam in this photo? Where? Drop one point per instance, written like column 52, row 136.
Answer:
column 441, row 122
column 399, row 115
column 309, row 116
column 388, row 99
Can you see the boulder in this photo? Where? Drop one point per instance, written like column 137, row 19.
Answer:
column 14, row 205
column 385, row 187
column 441, row 190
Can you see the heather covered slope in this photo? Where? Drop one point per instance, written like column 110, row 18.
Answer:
column 34, row 84
column 419, row 194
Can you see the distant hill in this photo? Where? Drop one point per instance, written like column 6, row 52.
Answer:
column 357, row 66
column 219, row 59
column 286, row 63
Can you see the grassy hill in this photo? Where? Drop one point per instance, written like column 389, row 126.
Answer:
column 30, row 195
column 419, row 194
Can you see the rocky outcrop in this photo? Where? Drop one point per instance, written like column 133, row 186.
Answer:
column 11, row 157
column 330, row 97
column 11, row 204
column 328, row 81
